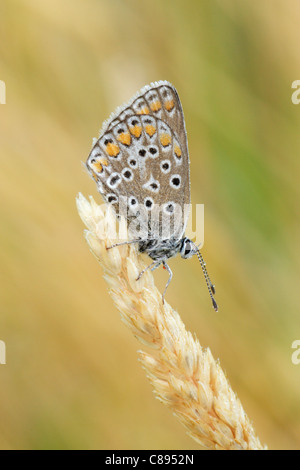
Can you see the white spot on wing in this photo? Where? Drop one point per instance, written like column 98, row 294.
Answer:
column 152, row 185
column 127, row 174
column 175, row 181
column 165, row 166
column 114, row 180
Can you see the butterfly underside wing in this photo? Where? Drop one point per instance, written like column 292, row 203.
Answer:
column 141, row 159
column 141, row 166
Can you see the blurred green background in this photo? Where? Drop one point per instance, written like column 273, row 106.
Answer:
column 72, row 379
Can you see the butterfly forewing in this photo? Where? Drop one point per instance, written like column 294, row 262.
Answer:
column 142, row 157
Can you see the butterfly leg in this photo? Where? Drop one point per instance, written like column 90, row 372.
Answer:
column 169, row 280
column 151, row 266
column 122, row 243
column 156, row 266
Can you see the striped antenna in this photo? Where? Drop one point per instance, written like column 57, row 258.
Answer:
column 210, row 286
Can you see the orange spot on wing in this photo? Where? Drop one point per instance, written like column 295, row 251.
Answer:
column 124, row 138
column 112, row 149
column 98, row 165
column 165, row 139
column 95, row 177
column 104, row 161
column 169, row 105
column 144, row 110
column 150, row 130
column 177, row 151
column 136, row 131
column 155, row 106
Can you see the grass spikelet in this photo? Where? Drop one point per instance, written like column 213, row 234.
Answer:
column 185, row 377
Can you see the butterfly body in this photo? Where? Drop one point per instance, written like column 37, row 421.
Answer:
column 160, row 250
column 141, row 166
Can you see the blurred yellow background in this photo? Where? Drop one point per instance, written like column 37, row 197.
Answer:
column 72, row 379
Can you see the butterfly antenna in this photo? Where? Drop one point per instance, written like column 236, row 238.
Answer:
column 210, row 286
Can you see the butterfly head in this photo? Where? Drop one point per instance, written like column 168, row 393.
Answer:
column 188, row 248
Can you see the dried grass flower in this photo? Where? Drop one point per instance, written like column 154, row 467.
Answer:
column 185, row 377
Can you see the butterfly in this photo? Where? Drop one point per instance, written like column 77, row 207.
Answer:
column 141, row 166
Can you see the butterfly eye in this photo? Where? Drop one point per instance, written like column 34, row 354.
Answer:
column 187, row 249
